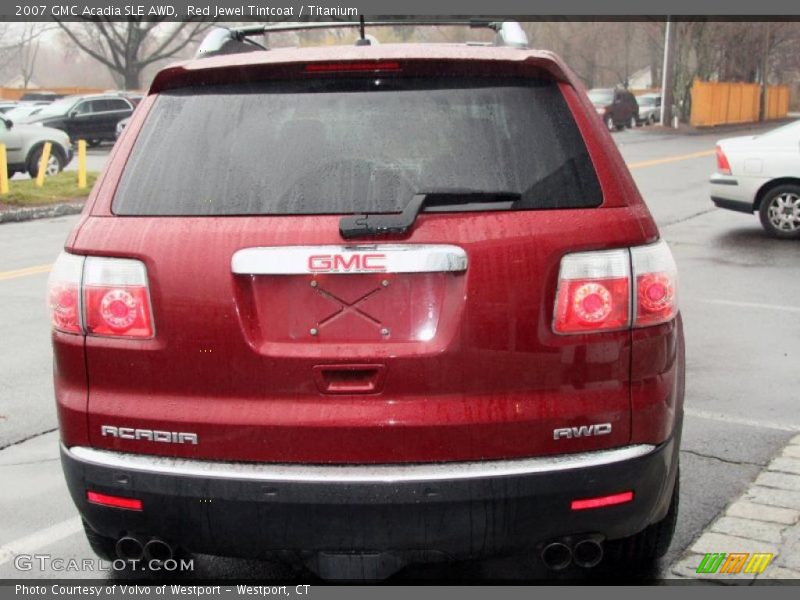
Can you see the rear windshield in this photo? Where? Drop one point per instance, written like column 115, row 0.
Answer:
column 352, row 146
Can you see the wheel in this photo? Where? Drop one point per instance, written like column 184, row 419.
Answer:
column 54, row 164
column 780, row 212
column 93, row 142
column 651, row 120
column 102, row 546
column 610, row 123
column 647, row 546
column 632, row 124
column 11, row 173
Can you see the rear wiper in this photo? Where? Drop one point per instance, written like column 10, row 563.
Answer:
column 438, row 200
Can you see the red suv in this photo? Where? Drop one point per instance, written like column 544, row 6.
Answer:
column 359, row 307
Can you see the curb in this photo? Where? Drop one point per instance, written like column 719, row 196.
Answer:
column 764, row 519
column 28, row 213
column 690, row 131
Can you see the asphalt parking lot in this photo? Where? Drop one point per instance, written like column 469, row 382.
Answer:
column 739, row 300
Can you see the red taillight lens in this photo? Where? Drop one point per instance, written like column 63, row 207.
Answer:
column 594, row 289
column 100, row 296
column 656, row 276
column 63, row 293
column 593, row 292
column 339, row 67
column 118, row 311
column 723, row 166
column 116, row 298
column 601, row 501
column 114, row 501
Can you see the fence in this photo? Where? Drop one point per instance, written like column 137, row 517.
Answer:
column 719, row 103
column 7, row 93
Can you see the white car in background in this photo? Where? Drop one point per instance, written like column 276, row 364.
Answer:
column 761, row 174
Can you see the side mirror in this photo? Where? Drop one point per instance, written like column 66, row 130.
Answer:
column 7, row 122
column 72, row 114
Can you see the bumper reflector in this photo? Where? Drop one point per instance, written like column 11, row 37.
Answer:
column 114, row 501
column 601, row 501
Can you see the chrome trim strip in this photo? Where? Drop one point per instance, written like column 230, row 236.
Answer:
column 353, row 473
column 723, row 181
column 372, row 258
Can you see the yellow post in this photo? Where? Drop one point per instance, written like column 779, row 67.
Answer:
column 81, row 164
column 43, row 163
column 3, row 171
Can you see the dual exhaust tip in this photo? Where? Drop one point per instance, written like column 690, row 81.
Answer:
column 130, row 548
column 586, row 553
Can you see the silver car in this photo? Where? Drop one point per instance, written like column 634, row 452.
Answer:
column 649, row 108
column 761, row 174
column 24, row 145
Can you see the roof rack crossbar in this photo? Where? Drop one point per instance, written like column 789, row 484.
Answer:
column 222, row 40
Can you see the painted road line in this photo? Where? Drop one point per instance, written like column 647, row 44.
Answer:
column 39, row 539
column 726, row 418
column 669, row 159
column 779, row 307
column 25, row 272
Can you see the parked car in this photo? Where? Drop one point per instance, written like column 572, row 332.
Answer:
column 375, row 305
column 41, row 96
column 23, row 111
column 24, row 144
column 122, row 125
column 6, row 106
column 93, row 118
column 649, row 108
column 617, row 107
column 761, row 173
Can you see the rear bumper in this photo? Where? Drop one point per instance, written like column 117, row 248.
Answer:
column 732, row 204
column 458, row 510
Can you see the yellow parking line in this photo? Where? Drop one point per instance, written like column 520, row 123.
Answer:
column 669, row 159
column 25, row 272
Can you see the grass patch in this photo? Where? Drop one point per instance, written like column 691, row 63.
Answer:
column 60, row 188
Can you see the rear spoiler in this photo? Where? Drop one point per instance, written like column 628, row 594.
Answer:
column 223, row 40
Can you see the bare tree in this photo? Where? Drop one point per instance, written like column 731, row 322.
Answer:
column 127, row 48
column 28, row 50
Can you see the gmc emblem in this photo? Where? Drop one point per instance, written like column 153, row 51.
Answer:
column 582, row 431
column 355, row 263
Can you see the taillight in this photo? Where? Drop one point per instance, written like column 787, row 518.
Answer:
column 116, row 298
column 723, row 166
column 63, row 293
column 656, row 280
column 593, row 292
column 100, row 296
column 344, row 67
column 595, row 289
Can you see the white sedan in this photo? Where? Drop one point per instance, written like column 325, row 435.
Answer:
column 761, row 174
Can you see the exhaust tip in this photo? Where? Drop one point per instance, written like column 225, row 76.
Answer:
column 587, row 553
column 157, row 550
column 129, row 548
column 557, row 556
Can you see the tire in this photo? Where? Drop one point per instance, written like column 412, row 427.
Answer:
column 651, row 120
column 102, row 546
column 645, row 548
column 94, row 142
column 54, row 165
column 610, row 123
column 780, row 212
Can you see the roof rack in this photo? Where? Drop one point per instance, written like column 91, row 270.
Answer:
column 223, row 40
